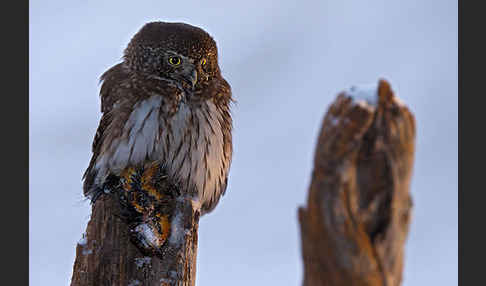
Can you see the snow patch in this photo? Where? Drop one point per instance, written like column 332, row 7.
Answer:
column 87, row 251
column 142, row 261
column 399, row 102
column 334, row 120
column 84, row 240
column 364, row 94
column 134, row 283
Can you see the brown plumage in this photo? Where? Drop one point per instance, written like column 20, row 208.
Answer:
column 165, row 104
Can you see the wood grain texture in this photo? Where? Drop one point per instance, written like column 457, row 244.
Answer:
column 109, row 258
column 355, row 223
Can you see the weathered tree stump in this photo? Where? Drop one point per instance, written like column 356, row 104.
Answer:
column 355, row 224
column 106, row 256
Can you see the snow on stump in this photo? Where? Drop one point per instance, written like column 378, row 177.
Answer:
column 355, row 223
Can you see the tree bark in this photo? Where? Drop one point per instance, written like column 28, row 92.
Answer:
column 106, row 256
column 355, row 224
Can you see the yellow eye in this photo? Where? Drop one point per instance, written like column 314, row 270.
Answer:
column 203, row 62
column 175, row 61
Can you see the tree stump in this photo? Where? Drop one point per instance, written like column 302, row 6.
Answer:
column 355, row 224
column 106, row 256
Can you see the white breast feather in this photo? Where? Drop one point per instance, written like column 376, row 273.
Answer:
column 145, row 136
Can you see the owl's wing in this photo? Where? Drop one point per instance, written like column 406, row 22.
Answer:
column 225, row 94
column 227, row 146
column 222, row 92
column 111, row 78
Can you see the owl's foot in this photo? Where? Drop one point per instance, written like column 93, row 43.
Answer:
column 146, row 200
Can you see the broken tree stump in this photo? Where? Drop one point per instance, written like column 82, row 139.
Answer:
column 105, row 256
column 355, row 223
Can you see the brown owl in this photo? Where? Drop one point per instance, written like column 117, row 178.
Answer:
column 165, row 129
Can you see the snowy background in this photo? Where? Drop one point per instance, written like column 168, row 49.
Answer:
column 285, row 61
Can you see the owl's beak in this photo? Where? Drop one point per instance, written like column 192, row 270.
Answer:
column 191, row 78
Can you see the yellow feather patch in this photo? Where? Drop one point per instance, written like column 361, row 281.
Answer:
column 147, row 181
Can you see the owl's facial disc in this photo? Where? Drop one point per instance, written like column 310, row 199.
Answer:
column 185, row 54
column 182, row 69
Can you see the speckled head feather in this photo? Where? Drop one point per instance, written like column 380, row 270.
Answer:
column 148, row 50
column 189, row 40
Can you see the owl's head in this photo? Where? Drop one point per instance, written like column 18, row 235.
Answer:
column 175, row 51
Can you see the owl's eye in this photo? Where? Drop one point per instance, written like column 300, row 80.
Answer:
column 203, row 62
column 175, row 61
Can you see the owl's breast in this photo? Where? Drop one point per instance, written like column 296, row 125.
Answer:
column 194, row 150
column 189, row 143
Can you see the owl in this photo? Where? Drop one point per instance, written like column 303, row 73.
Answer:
column 165, row 129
